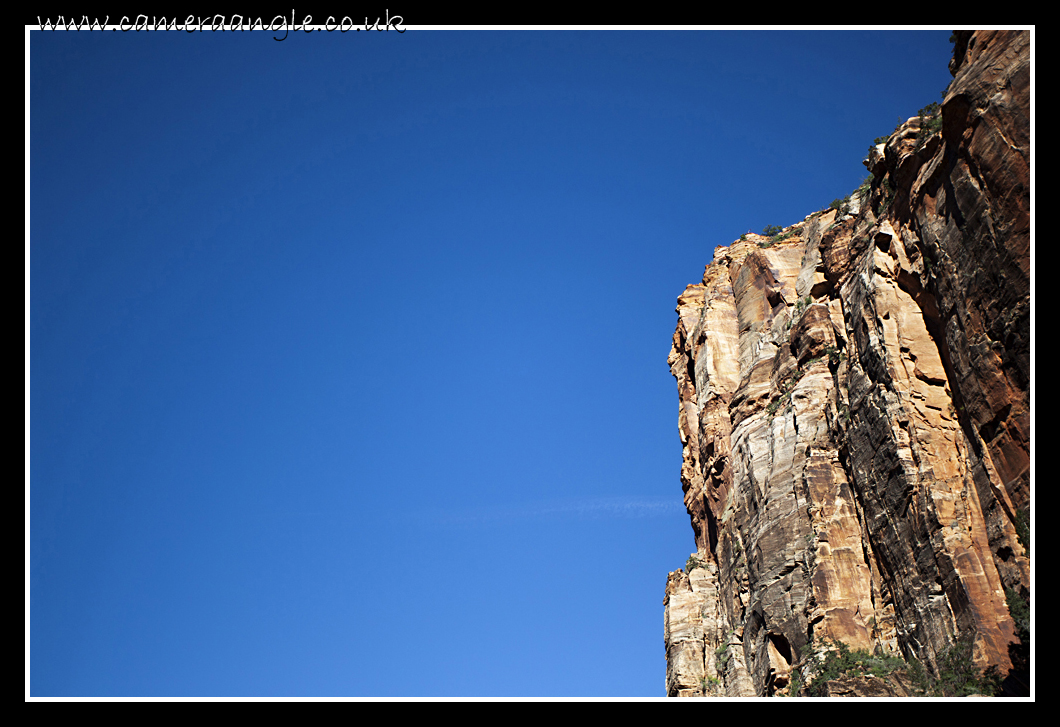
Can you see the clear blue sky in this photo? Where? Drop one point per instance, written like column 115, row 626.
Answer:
column 348, row 353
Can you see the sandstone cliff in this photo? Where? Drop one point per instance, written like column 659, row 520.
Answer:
column 855, row 411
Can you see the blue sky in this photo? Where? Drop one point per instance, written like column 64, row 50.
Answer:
column 347, row 367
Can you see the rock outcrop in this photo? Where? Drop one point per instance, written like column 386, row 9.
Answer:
column 855, row 411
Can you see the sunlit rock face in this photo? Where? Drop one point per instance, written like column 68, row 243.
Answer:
column 855, row 410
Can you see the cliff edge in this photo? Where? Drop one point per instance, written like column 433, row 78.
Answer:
column 855, row 419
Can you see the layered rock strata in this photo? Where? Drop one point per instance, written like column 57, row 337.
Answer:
column 855, row 409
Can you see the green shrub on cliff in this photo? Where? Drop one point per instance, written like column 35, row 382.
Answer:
column 1019, row 608
column 1023, row 529
column 957, row 676
column 842, row 661
column 930, row 122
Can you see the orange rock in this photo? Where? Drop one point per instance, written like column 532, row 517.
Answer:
column 854, row 410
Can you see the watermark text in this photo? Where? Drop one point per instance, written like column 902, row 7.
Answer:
column 225, row 23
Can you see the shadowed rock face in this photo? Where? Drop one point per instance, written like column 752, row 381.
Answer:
column 855, row 411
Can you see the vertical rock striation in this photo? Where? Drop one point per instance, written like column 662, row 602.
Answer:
column 855, row 408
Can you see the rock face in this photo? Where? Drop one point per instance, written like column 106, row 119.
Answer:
column 855, row 409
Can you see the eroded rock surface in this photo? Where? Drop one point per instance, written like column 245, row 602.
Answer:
column 855, row 409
